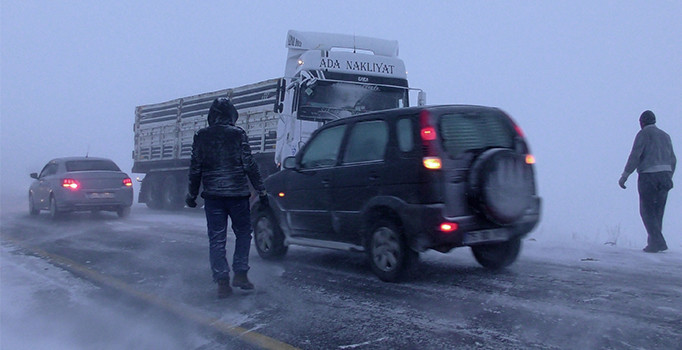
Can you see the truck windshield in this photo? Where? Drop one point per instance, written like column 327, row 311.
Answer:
column 326, row 100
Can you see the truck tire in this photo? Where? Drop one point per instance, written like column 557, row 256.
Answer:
column 152, row 192
column 172, row 197
column 501, row 185
column 495, row 256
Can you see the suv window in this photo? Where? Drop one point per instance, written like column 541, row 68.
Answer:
column 367, row 142
column 474, row 131
column 405, row 135
column 323, row 150
column 91, row 165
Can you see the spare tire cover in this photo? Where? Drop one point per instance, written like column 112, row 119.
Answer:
column 501, row 185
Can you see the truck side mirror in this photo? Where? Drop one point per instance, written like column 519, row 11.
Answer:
column 421, row 98
column 289, row 163
column 34, row 176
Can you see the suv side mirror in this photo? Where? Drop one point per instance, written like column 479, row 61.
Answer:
column 34, row 176
column 289, row 163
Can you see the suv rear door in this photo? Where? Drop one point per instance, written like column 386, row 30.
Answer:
column 464, row 135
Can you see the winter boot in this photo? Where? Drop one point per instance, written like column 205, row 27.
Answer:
column 240, row 280
column 224, row 289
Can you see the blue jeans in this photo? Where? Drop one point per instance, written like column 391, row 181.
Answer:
column 217, row 212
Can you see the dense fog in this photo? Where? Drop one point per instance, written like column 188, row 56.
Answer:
column 575, row 76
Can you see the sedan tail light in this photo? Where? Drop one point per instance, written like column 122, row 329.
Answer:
column 127, row 182
column 70, row 184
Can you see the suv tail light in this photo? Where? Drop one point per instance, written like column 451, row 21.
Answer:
column 428, row 136
column 70, row 184
column 449, row 227
column 127, row 182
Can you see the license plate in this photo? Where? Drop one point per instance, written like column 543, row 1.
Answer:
column 98, row 195
column 486, row 236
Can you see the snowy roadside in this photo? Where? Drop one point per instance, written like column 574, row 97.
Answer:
column 45, row 307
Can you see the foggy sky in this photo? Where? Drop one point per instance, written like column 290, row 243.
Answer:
column 574, row 74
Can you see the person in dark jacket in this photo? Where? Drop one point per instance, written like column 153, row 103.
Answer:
column 223, row 164
column 653, row 157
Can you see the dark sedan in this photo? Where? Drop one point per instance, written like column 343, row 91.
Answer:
column 79, row 184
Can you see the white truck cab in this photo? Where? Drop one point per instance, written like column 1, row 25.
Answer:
column 332, row 76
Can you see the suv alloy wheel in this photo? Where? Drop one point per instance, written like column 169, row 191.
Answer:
column 389, row 255
column 269, row 237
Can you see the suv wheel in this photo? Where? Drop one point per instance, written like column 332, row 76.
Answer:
column 497, row 255
column 269, row 237
column 389, row 256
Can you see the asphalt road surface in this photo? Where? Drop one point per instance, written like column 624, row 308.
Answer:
column 144, row 282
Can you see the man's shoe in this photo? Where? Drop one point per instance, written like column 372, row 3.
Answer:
column 224, row 289
column 240, row 280
column 650, row 249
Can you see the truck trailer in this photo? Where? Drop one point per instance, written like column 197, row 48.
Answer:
column 326, row 77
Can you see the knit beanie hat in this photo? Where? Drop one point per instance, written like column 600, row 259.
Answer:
column 647, row 118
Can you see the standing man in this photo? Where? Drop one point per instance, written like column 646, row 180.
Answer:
column 653, row 157
column 222, row 163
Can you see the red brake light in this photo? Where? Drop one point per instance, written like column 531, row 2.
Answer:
column 70, row 184
column 519, row 131
column 530, row 159
column 428, row 133
column 127, row 182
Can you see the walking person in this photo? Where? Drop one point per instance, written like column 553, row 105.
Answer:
column 222, row 162
column 653, row 157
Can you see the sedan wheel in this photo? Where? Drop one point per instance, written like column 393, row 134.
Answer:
column 123, row 212
column 54, row 211
column 32, row 207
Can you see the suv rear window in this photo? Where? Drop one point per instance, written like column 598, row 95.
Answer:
column 462, row 132
column 91, row 165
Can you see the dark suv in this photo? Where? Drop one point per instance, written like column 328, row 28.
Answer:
column 397, row 182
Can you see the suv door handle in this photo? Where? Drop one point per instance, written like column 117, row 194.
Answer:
column 325, row 182
column 374, row 177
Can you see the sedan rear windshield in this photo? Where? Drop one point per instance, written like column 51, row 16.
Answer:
column 91, row 165
column 463, row 132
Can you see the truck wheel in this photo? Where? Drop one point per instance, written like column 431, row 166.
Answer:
column 172, row 198
column 152, row 192
column 32, row 207
column 495, row 256
column 389, row 255
column 269, row 237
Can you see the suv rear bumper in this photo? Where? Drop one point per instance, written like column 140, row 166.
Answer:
column 422, row 226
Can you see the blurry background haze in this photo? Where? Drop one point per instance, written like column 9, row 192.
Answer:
column 574, row 74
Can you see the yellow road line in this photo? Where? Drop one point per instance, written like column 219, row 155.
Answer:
column 251, row 337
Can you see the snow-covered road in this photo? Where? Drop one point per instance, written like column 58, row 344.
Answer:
column 146, row 285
